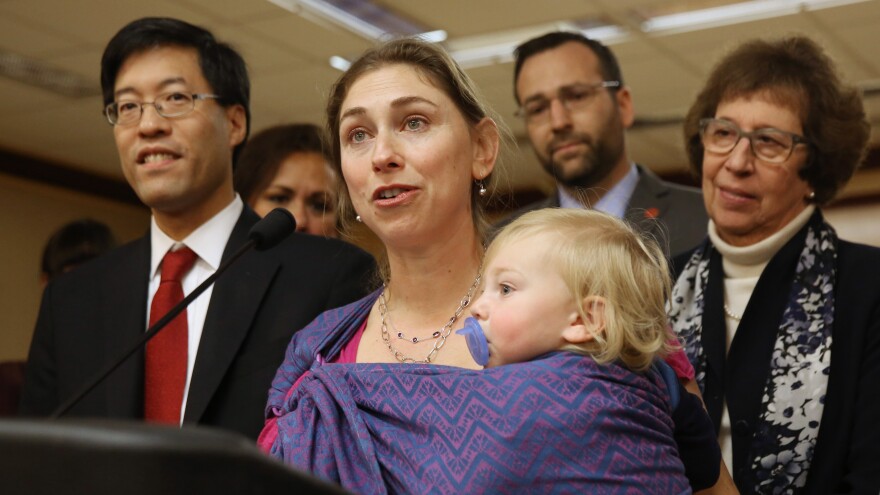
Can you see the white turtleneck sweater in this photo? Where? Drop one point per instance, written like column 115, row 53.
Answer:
column 742, row 269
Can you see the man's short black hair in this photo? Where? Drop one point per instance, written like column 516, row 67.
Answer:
column 221, row 65
column 75, row 243
column 607, row 61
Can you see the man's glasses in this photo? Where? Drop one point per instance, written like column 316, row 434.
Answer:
column 768, row 144
column 168, row 105
column 573, row 98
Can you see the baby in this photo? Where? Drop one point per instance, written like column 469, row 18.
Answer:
column 577, row 280
column 584, row 281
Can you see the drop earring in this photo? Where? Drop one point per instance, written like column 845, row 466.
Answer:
column 358, row 218
column 482, row 191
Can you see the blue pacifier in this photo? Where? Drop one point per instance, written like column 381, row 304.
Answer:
column 476, row 340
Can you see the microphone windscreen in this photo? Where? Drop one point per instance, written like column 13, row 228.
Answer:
column 272, row 229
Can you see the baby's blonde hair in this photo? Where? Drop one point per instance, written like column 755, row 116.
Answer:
column 599, row 255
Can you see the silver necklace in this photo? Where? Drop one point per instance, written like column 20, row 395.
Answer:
column 402, row 336
column 442, row 334
column 415, row 340
column 730, row 313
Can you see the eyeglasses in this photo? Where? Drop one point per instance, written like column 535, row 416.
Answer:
column 168, row 105
column 768, row 144
column 573, row 98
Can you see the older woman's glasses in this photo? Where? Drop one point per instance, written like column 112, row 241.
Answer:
column 768, row 144
column 575, row 97
column 128, row 112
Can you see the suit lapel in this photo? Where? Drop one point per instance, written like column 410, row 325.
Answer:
column 650, row 198
column 124, row 321
column 235, row 301
column 648, row 205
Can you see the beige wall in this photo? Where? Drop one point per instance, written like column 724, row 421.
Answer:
column 29, row 213
column 856, row 223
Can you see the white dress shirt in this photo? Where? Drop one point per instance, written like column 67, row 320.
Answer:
column 208, row 242
column 614, row 202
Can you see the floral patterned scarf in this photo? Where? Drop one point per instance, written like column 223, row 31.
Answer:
column 794, row 394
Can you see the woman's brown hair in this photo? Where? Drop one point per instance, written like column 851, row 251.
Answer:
column 796, row 73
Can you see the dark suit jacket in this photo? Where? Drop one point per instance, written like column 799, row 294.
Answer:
column 679, row 209
column 847, row 453
column 90, row 315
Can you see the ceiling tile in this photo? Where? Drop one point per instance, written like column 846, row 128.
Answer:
column 19, row 97
column 452, row 16
column 94, row 21
column 85, row 63
column 261, row 53
column 704, row 47
column 235, row 11
column 23, row 37
column 858, row 59
column 844, row 17
column 308, row 40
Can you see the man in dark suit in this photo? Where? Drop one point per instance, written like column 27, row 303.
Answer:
column 178, row 103
column 576, row 109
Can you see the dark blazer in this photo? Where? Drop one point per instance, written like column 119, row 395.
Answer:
column 679, row 209
column 847, row 453
column 90, row 315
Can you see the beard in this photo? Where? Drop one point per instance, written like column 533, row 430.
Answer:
column 592, row 166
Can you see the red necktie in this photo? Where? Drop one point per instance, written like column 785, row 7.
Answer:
column 165, row 369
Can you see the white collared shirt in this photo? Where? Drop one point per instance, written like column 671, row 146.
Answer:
column 614, row 202
column 208, row 242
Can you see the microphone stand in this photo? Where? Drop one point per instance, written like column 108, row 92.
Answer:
column 151, row 332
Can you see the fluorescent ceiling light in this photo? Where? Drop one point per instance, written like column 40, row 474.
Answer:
column 735, row 13
column 362, row 17
column 438, row 36
column 372, row 21
column 339, row 63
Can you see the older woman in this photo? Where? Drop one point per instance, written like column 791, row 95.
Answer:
column 287, row 167
column 780, row 318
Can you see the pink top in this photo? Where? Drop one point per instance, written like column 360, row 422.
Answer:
column 347, row 355
column 679, row 363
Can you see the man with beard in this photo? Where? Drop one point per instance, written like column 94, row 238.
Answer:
column 576, row 109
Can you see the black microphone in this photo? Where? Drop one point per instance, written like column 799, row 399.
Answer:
column 272, row 229
column 266, row 233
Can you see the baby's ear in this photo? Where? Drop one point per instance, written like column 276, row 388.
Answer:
column 582, row 329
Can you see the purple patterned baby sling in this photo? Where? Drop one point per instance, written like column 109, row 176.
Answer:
column 558, row 424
